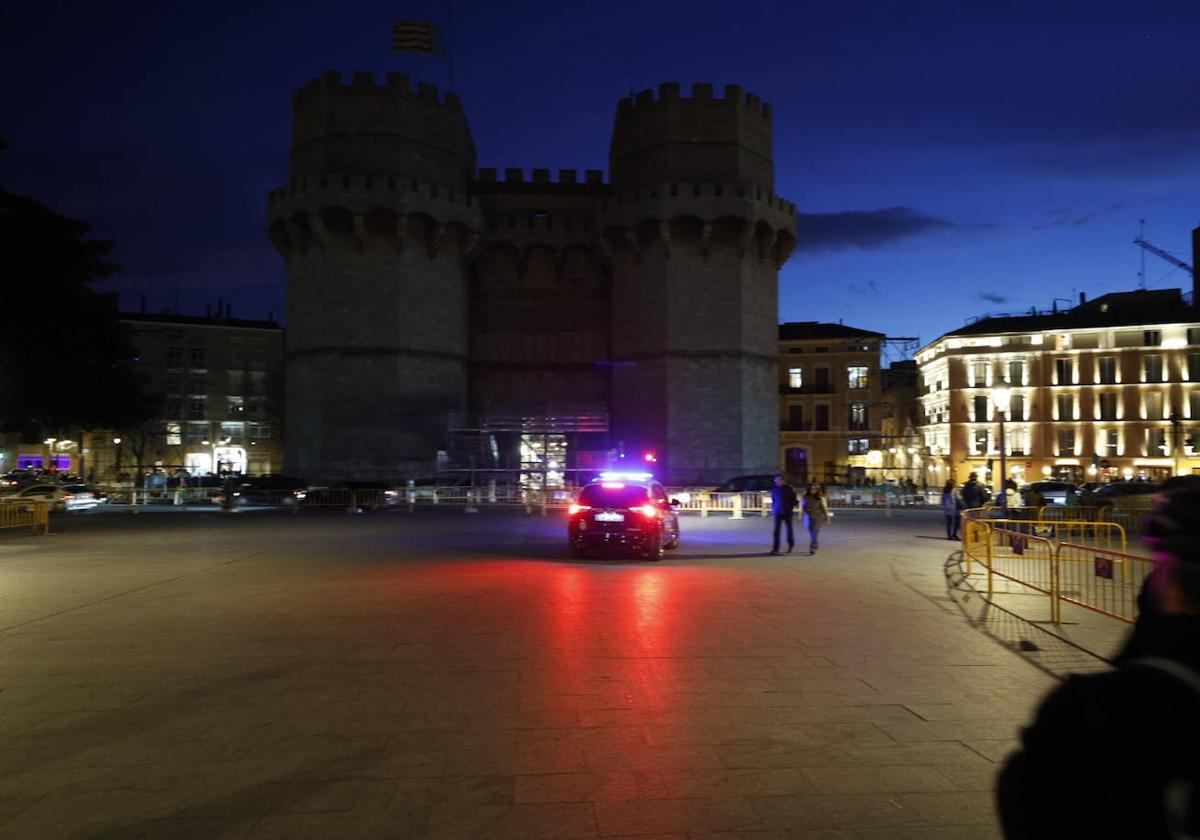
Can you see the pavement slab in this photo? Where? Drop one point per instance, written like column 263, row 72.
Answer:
column 444, row 675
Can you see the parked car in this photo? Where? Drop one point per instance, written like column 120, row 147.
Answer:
column 627, row 513
column 1051, row 492
column 70, row 497
column 1125, row 494
column 263, row 491
column 746, row 484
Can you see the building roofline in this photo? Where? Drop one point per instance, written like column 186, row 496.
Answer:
column 198, row 321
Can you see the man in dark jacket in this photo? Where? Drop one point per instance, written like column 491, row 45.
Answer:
column 1117, row 755
column 973, row 494
column 783, row 509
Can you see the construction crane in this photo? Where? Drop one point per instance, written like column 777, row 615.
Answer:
column 1159, row 252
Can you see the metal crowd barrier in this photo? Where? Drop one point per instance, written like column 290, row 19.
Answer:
column 1095, row 572
column 31, row 514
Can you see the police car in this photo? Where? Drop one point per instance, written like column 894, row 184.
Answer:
column 623, row 511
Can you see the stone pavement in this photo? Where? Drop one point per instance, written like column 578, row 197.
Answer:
column 447, row 676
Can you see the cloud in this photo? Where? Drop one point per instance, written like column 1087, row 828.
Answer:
column 864, row 229
column 1074, row 218
column 992, row 297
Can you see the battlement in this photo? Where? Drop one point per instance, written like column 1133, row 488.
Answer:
column 566, row 177
column 703, row 191
column 670, row 93
column 365, row 83
column 392, row 184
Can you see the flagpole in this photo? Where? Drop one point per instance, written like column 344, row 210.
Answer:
column 450, row 41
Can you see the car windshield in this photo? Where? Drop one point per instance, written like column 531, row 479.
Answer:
column 615, row 495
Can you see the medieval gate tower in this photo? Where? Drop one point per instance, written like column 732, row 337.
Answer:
column 425, row 295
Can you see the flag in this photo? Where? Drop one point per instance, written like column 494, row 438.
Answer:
column 414, row 36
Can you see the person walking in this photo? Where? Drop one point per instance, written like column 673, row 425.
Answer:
column 783, row 509
column 1083, row 735
column 816, row 514
column 952, row 505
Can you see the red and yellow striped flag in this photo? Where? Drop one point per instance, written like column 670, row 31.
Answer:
column 414, row 36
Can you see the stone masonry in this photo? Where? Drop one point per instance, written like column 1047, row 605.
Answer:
column 425, row 293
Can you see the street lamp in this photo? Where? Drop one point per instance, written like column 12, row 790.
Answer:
column 117, row 465
column 1002, row 399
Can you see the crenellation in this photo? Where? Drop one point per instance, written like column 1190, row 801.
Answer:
column 487, row 175
column 734, row 94
column 645, row 97
column 668, row 92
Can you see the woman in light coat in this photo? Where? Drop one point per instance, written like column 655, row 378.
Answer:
column 816, row 514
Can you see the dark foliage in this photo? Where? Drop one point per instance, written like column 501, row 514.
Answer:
column 66, row 362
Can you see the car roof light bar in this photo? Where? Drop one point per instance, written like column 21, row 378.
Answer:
column 622, row 475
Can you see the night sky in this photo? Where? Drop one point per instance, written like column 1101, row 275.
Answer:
column 948, row 158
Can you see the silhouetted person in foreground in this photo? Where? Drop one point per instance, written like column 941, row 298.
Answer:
column 1117, row 755
column 783, row 509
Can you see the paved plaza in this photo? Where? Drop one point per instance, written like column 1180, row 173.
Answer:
column 442, row 675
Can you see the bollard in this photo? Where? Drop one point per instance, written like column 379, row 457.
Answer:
column 704, row 505
column 470, row 508
column 765, row 505
column 492, row 491
column 737, row 506
column 412, row 495
column 178, row 497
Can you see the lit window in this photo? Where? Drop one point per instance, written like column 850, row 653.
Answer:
column 795, row 377
column 858, row 416
column 1153, row 368
column 174, row 434
column 857, row 446
column 857, row 376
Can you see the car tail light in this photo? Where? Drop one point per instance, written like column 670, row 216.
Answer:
column 574, row 509
column 613, row 485
column 646, row 510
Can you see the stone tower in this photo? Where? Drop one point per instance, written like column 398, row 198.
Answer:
column 375, row 224
column 419, row 298
column 696, row 236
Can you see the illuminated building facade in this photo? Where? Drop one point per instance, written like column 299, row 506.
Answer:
column 830, row 403
column 1106, row 390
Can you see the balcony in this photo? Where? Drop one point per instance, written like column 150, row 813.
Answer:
column 818, row 388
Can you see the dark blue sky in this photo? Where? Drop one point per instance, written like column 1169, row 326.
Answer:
column 950, row 158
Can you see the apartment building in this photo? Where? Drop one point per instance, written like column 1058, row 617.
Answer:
column 219, row 380
column 1105, row 390
column 829, row 403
